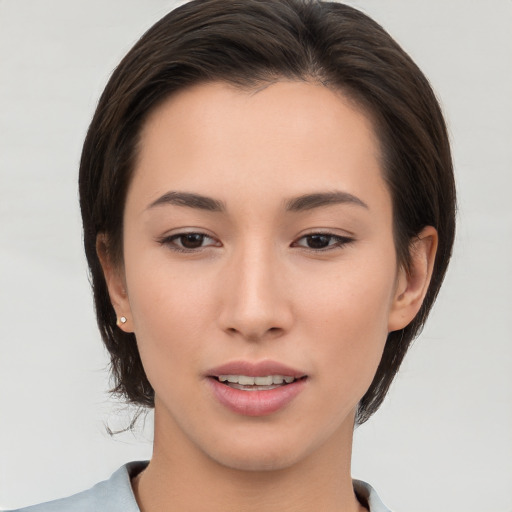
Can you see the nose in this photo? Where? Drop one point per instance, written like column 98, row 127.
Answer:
column 255, row 303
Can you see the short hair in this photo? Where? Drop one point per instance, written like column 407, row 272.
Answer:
column 249, row 43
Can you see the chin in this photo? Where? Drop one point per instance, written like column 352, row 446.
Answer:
column 257, row 461
column 260, row 452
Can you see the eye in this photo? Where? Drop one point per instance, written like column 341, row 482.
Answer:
column 322, row 241
column 189, row 242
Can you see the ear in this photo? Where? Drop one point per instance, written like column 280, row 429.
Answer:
column 412, row 284
column 116, row 284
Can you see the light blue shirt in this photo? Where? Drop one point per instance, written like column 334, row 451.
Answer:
column 116, row 495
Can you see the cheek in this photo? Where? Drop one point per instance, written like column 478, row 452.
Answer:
column 169, row 311
column 358, row 296
column 347, row 313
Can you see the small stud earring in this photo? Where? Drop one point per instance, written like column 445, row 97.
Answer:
column 121, row 320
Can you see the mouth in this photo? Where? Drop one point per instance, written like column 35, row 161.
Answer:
column 261, row 383
column 256, row 389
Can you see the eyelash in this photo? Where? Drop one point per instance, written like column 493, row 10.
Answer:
column 169, row 241
column 339, row 241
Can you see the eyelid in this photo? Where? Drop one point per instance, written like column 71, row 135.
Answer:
column 341, row 240
column 169, row 238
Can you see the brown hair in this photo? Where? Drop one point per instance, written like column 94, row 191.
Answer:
column 248, row 43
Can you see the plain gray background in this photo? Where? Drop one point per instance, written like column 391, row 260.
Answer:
column 442, row 441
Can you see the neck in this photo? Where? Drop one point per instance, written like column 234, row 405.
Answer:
column 180, row 477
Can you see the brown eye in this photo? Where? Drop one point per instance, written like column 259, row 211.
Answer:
column 318, row 241
column 322, row 241
column 191, row 240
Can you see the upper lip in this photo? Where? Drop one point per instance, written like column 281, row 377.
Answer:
column 255, row 369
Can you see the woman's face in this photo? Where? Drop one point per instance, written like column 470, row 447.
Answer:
column 258, row 248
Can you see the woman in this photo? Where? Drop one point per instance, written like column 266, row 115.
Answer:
column 268, row 206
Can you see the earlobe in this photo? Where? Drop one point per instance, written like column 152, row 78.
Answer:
column 412, row 284
column 114, row 277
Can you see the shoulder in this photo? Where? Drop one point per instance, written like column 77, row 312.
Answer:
column 112, row 495
column 368, row 497
column 116, row 495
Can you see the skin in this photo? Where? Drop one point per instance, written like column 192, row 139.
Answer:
column 254, row 289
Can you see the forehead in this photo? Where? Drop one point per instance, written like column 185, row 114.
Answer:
column 287, row 137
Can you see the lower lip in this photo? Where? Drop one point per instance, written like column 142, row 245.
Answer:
column 256, row 403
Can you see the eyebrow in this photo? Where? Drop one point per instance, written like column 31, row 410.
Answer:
column 189, row 200
column 319, row 199
column 296, row 204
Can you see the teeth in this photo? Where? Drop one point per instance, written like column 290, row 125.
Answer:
column 267, row 380
column 245, row 381
column 263, row 381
